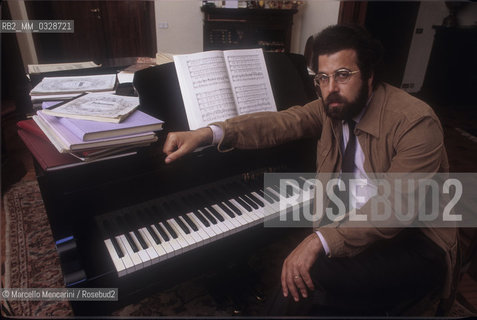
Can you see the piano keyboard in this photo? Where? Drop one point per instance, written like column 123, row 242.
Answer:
column 148, row 233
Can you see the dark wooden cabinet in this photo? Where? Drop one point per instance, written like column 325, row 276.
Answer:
column 269, row 29
column 102, row 30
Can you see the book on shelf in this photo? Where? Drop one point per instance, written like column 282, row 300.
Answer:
column 66, row 141
column 77, row 84
column 217, row 85
column 86, row 130
column 48, row 156
column 103, row 107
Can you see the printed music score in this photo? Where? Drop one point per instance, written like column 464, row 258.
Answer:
column 218, row 85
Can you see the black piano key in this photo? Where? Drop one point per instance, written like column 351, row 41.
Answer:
column 218, row 201
column 145, row 219
column 249, row 201
column 243, row 204
column 244, row 190
column 255, row 199
column 227, row 202
column 208, row 216
column 276, row 188
column 123, row 225
column 233, row 207
column 190, row 222
column 109, row 230
column 175, row 208
column 271, row 198
column 170, row 230
column 161, row 230
column 226, row 209
column 202, row 219
column 215, row 213
column 153, row 234
column 133, row 223
column 182, row 225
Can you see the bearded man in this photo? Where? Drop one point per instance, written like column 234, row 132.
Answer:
column 362, row 126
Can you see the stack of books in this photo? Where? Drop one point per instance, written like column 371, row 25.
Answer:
column 90, row 127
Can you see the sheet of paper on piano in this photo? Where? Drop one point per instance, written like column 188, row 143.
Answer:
column 217, row 85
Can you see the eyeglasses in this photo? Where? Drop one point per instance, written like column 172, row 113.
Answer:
column 340, row 76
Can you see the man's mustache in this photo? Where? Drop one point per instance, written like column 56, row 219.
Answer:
column 334, row 98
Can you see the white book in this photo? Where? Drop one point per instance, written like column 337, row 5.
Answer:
column 98, row 106
column 78, row 84
column 217, row 85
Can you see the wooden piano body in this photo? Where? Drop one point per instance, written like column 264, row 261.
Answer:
column 79, row 199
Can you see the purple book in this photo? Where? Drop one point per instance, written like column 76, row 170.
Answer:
column 86, row 130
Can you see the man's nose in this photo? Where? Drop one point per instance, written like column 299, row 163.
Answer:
column 332, row 85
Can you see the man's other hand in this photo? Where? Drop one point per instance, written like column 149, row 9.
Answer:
column 181, row 143
column 296, row 268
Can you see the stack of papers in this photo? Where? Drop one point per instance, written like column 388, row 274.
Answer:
column 61, row 88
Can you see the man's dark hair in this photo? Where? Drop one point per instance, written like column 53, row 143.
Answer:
column 340, row 37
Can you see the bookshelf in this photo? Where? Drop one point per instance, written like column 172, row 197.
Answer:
column 269, row 29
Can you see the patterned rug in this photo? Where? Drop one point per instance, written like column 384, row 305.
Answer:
column 32, row 262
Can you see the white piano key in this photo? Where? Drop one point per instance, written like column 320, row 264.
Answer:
column 230, row 226
column 208, row 230
column 254, row 219
column 219, row 224
column 126, row 259
column 137, row 262
column 194, row 234
column 164, row 244
column 245, row 217
column 118, row 263
column 202, row 232
column 218, row 231
column 259, row 211
column 146, row 260
column 173, row 242
column 151, row 250
column 269, row 208
column 182, row 242
column 235, row 223
column 189, row 241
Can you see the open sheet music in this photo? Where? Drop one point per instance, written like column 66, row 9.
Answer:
column 217, row 85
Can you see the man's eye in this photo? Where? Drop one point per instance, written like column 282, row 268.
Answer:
column 342, row 75
column 323, row 78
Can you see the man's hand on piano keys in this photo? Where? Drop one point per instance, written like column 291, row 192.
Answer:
column 181, row 143
column 295, row 276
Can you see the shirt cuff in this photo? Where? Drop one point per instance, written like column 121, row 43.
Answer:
column 217, row 133
column 323, row 242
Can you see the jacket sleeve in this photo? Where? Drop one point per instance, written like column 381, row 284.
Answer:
column 267, row 129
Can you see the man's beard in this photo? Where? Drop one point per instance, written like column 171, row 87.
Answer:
column 349, row 109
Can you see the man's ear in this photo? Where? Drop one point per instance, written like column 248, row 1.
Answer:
column 370, row 84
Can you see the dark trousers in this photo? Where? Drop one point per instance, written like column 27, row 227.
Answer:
column 382, row 280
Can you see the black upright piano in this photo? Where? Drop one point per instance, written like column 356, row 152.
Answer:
column 139, row 225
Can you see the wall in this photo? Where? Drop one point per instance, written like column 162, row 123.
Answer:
column 25, row 40
column 430, row 13
column 179, row 24
column 313, row 16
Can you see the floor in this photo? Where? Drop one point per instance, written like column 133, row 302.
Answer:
column 461, row 142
